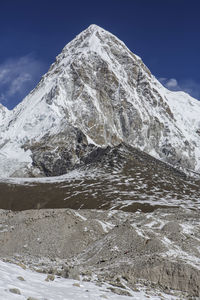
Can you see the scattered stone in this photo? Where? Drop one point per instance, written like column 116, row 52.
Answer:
column 64, row 273
column 119, row 291
column 99, row 283
column 15, row 291
column 20, row 278
column 135, row 289
column 50, row 277
column 21, row 265
column 76, row 284
column 116, row 284
column 41, row 271
column 74, row 273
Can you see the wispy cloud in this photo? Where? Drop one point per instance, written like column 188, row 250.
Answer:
column 189, row 86
column 17, row 77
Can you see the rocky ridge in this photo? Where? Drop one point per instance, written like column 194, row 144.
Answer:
column 97, row 94
column 120, row 177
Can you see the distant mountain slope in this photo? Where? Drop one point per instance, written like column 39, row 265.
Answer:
column 97, row 94
column 114, row 178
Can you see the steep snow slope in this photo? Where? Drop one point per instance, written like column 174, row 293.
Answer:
column 97, row 93
column 4, row 112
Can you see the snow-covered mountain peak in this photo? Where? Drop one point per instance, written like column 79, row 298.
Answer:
column 82, row 38
column 93, row 40
column 98, row 93
column 94, row 27
column 81, row 41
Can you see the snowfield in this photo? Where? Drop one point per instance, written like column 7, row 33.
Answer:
column 35, row 286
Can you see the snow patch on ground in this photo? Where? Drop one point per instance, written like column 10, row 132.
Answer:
column 33, row 284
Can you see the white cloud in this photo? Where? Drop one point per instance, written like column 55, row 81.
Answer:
column 17, row 77
column 18, row 83
column 3, row 75
column 172, row 83
column 189, row 86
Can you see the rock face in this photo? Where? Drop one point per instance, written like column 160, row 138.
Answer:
column 98, row 94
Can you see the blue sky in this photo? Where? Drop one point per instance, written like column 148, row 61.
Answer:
column 165, row 33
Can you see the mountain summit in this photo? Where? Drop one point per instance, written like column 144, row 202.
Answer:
column 97, row 94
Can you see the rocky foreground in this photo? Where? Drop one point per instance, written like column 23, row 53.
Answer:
column 159, row 250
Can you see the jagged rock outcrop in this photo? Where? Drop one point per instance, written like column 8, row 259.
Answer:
column 98, row 87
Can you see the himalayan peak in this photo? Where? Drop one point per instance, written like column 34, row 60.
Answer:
column 97, row 94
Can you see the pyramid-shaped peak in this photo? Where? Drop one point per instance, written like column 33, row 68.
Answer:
column 88, row 38
column 95, row 40
column 92, row 30
column 94, row 27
